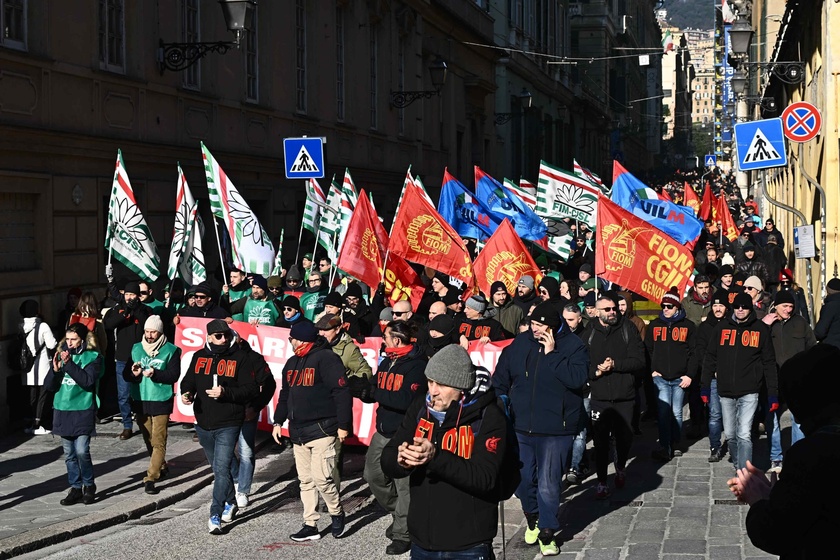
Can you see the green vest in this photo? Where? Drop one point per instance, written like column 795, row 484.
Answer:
column 71, row 396
column 261, row 312
column 234, row 295
column 156, row 305
column 312, row 303
column 148, row 390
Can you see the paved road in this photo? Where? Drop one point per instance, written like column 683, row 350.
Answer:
column 680, row 510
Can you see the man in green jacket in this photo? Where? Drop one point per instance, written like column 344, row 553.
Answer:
column 312, row 302
column 333, row 329
column 259, row 308
column 74, row 378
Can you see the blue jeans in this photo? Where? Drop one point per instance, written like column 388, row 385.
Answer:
column 543, row 465
column 78, row 461
column 669, row 411
column 242, row 469
column 124, row 396
column 795, row 430
column 715, row 418
column 775, row 435
column 579, row 445
column 219, row 445
column 738, row 416
column 482, row 551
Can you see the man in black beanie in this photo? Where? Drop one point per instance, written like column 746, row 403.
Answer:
column 542, row 373
column 291, row 313
column 127, row 318
column 791, row 334
column 503, row 309
column 317, row 402
column 719, row 308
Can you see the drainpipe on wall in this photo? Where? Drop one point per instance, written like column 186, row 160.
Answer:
column 823, row 255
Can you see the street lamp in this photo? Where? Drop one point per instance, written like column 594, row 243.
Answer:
column 740, row 36
column 239, row 17
column 739, row 82
column 437, row 72
column 525, row 100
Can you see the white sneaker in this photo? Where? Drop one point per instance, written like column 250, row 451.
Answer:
column 41, row 431
column 241, row 499
column 229, row 512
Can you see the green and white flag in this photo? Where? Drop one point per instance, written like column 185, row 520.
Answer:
column 311, row 209
column 330, row 222
column 252, row 249
column 186, row 257
column 349, row 199
column 561, row 194
column 128, row 238
column 278, row 260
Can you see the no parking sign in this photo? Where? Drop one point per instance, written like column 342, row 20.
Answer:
column 801, row 121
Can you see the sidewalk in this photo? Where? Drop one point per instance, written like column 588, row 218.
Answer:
column 33, row 480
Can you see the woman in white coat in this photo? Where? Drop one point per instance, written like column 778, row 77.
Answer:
column 40, row 339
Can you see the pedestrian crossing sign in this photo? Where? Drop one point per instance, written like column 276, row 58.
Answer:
column 304, row 158
column 761, row 144
column 711, row 160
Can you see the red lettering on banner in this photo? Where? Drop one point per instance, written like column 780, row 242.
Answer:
column 424, row 429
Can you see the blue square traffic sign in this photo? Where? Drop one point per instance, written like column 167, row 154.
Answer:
column 304, row 158
column 761, row 144
column 710, row 160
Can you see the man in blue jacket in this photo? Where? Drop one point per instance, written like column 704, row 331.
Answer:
column 543, row 373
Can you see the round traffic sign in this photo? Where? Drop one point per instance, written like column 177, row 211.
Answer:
column 801, row 121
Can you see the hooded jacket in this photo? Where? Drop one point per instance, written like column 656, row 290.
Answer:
column 671, row 346
column 128, row 322
column 624, row 345
column 355, row 364
column 76, row 385
column 508, row 314
column 704, row 335
column 396, row 384
column 827, row 329
column 741, row 357
column 314, row 396
column 454, row 497
column 545, row 390
column 234, row 369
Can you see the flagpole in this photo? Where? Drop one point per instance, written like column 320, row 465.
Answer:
column 317, row 235
column 300, row 237
column 221, row 258
column 385, row 264
column 334, row 268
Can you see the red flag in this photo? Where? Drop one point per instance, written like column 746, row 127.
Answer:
column 707, row 206
column 638, row 256
column 421, row 235
column 504, row 257
column 663, row 195
column 402, row 282
column 365, row 244
column 691, row 199
column 727, row 224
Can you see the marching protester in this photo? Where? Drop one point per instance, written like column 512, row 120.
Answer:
column 155, row 367
column 474, row 326
column 719, row 309
column 205, row 305
column 74, row 378
column 219, row 402
column 503, row 309
column 239, row 288
column 258, row 307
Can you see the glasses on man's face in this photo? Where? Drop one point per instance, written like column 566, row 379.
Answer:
column 220, row 336
column 144, row 293
column 741, row 307
column 201, row 297
column 668, row 306
column 274, row 289
column 398, row 313
column 608, row 309
column 289, row 309
column 324, row 265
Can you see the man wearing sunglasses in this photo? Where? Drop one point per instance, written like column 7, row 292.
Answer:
column 204, row 306
column 740, row 356
column 219, row 383
column 673, row 361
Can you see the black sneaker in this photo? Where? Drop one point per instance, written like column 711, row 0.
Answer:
column 89, row 494
column 715, row 456
column 307, row 533
column 574, row 477
column 74, row 496
column 149, row 488
column 389, row 532
column 397, row 547
column 337, row 525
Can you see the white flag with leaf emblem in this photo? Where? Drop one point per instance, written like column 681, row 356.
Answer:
column 186, row 257
column 252, row 249
column 128, row 238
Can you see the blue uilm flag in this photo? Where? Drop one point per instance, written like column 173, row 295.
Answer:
column 502, row 204
column 633, row 195
column 460, row 208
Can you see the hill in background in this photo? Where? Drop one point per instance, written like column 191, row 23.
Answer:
column 694, row 14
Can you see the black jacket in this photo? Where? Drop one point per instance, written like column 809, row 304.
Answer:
column 475, row 329
column 671, row 346
column 704, row 335
column 741, row 356
column 396, row 384
column 454, row 497
column 209, row 311
column 239, row 368
column 525, row 303
column 623, row 344
column 314, row 396
column 791, row 337
column 545, row 390
column 828, row 325
column 129, row 325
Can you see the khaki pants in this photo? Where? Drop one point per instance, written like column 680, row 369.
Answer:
column 392, row 494
column 154, row 433
column 317, row 467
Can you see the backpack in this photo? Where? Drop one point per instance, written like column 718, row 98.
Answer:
column 20, row 357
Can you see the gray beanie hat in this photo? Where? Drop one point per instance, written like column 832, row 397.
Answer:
column 477, row 303
column 453, row 367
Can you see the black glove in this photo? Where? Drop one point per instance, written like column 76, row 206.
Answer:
column 360, row 388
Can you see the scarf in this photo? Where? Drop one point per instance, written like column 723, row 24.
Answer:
column 304, row 349
column 701, row 301
column 402, row 351
column 680, row 314
column 154, row 348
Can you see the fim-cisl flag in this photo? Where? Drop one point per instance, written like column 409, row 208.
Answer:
column 251, row 247
column 638, row 256
column 561, row 194
column 186, row 258
column 128, row 238
column 421, row 235
column 504, row 258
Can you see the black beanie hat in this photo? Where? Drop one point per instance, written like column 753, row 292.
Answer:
column 334, row 299
column 442, row 324
column 721, row 297
column 304, row 331
column 291, row 301
column 353, row 290
column 451, row 297
column 496, row 286
column 784, row 296
column 546, row 313
column 743, row 299
column 726, row 269
column 551, row 285
column 259, row 280
column 132, row 287
column 29, row 308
